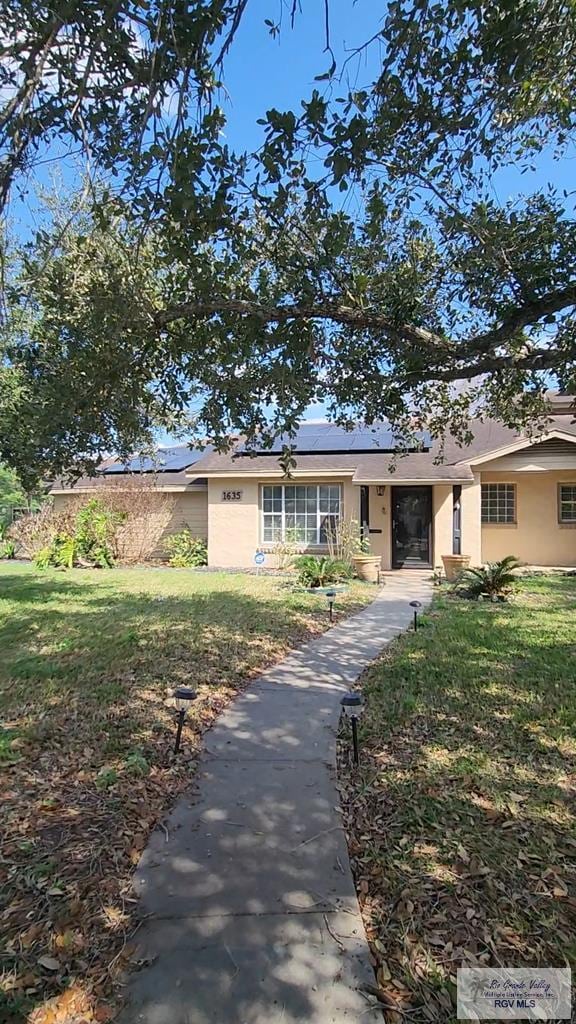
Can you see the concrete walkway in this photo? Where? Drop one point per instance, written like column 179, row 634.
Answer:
column 253, row 913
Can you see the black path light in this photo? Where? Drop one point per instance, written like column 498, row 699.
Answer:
column 331, row 597
column 353, row 705
column 183, row 698
column 415, row 605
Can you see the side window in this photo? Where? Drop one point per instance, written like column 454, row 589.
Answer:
column 498, row 503
column 567, row 503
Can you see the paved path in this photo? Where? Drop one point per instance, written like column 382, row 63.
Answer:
column 253, row 913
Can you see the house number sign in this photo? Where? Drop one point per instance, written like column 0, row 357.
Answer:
column 232, row 495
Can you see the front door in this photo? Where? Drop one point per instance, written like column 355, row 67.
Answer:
column 411, row 527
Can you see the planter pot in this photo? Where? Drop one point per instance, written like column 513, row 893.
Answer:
column 367, row 567
column 454, row 565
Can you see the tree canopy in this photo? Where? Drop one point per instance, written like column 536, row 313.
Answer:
column 202, row 289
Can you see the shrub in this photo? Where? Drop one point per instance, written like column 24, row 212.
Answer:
column 7, row 549
column 185, row 550
column 146, row 511
column 96, row 526
column 34, row 532
column 7, row 545
column 140, row 510
column 319, row 572
column 79, row 536
column 344, row 539
column 494, row 580
column 285, row 550
column 59, row 554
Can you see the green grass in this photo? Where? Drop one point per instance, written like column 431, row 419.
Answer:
column 461, row 821
column 88, row 662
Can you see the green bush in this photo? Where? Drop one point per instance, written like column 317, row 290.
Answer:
column 7, row 548
column 316, row 571
column 91, row 543
column 96, row 527
column 185, row 550
column 494, row 580
column 59, row 554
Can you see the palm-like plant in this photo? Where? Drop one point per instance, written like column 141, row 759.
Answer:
column 318, row 572
column 494, row 580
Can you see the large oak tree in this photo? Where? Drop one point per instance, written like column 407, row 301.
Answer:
column 244, row 286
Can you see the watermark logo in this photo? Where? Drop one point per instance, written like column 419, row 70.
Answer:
column 522, row 993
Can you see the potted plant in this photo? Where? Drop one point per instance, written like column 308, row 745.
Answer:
column 366, row 565
column 454, row 566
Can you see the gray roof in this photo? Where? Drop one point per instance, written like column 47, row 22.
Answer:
column 433, row 464
column 112, row 471
column 175, row 481
column 450, row 464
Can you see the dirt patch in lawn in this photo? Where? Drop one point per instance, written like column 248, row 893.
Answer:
column 461, row 819
column 88, row 663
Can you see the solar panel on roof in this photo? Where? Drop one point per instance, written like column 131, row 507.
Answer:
column 315, row 438
column 166, row 460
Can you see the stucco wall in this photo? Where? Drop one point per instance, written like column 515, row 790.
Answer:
column 442, row 530
column 380, row 543
column 537, row 537
column 234, row 527
column 471, row 523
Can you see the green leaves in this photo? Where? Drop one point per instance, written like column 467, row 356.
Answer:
column 359, row 258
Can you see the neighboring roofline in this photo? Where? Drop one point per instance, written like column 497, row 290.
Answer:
column 517, row 446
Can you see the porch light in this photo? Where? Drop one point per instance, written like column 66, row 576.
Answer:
column 415, row 605
column 183, row 697
column 352, row 706
column 331, row 597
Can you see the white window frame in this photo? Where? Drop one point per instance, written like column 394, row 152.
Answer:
column 569, row 501
column 282, row 515
column 500, row 503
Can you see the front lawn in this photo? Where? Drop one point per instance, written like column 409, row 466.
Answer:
column 461, row 819
column 87, row 661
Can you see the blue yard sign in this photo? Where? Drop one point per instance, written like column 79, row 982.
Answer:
column 259, row 558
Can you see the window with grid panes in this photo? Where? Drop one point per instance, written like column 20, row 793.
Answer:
column 299, row 512
column 567, row 503
column 498, row 503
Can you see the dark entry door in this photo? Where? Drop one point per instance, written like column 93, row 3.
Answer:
column 411, row 527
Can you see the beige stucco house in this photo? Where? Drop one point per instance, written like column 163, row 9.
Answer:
column 503, row 494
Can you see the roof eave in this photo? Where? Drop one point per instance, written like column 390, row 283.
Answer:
column 425, row 481
column 216, row 474
column 518, row 446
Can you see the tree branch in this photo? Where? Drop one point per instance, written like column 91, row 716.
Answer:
column 524, row 315
column 538, row 360
column 345, row 315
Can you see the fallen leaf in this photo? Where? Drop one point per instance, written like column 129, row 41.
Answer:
column 49, row 963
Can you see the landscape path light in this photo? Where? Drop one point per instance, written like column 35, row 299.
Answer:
column 331, row 597
column 415, row 605
column 353, row 705
column 183, row 698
